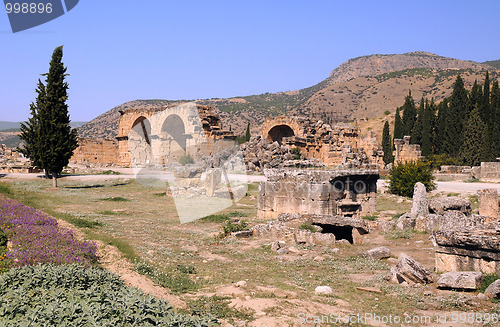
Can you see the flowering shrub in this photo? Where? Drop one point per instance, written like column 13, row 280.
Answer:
column 36, row 238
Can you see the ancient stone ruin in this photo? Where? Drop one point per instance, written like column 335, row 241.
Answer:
column 334, row 146
column 12, row 161
column 345, row 193
column 404, row 151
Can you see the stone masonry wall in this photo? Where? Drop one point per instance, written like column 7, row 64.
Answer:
column 96, row 151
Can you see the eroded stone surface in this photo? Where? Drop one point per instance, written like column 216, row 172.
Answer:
column 461, row 280
column 412, row 271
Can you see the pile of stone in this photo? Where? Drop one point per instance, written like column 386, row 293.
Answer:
column 259, row 154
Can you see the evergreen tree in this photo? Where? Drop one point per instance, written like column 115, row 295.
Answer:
column 56, row 140
column 247, row 133
column 409, row 114
column 416, row 133
column 473, row 150
column 475, row 97
column 495, row 109
column 427, row 126
column 30, row 128
column 387, row 144
column 487, row 115
column 439, row 129
column 398, row 126
column 455, row 118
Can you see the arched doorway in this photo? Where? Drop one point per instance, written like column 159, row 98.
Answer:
column 174, row 138
column 139, row 141
column 278, row 132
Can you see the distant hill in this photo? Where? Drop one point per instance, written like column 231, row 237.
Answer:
column 8, row 126
column 359, row 89
column 493, row 63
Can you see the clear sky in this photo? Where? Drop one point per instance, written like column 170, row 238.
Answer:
column 117, row 51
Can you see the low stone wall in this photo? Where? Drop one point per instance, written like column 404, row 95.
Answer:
column 96, row 151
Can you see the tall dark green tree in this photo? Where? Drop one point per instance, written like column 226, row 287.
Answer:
column 495, row 108
column 398, row 126
column 428, row 115
column 247, row 133
column 409, row 114
column 55, row 139
column 439, row 128
column 387, row 144
column 416, row 133
column 455, row 118
column 473, row 150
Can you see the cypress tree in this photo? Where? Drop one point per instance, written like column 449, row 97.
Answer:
column 416, row 133
column 455, row 121
column 495, row 109
column 439, row 129
column 409, row 114
column 30, row 129
column 247, row 133
column 473, row 150
column 427, row 125
column 475, row 97
column 387, row 144
column 56, row 140
column 487, row 115
column 398, row 126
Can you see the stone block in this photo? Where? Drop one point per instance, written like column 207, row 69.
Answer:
column 460, row 280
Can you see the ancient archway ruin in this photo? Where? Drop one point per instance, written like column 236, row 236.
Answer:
column 277, row 133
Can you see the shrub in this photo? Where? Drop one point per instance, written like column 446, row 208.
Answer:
column 220, row 218
column 175, row 278
column 387, row 112
column 488, row 279
column 231, row 227
column 309, row 227
column 116, row 199
column 70, row 295
column 370, row 217
column 296, row 153
column 403, row 176
column 186, row 160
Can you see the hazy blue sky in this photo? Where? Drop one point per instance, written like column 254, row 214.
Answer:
column 117, row 51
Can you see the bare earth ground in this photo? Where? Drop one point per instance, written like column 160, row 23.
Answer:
column 279, row 288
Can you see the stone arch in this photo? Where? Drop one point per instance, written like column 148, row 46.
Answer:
column 139, row 141
column 173, row 127
column 278, row 132
column 141, row 128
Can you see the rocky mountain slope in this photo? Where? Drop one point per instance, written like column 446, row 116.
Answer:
column 360, row 89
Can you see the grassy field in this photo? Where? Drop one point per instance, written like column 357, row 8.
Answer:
column 201, row 268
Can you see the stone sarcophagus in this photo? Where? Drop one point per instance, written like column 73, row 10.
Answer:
column 346, row 193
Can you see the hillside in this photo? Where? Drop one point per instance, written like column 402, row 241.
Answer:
column 359, row 89
column 493, row 63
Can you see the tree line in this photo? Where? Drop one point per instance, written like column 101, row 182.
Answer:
column 464, row 127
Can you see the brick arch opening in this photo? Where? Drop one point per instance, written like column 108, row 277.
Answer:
column 278, row 132
column 141, row 129
column 173, row 127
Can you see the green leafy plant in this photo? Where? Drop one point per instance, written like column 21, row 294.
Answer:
column 404, row 175
column 186, row 160
column 231, row 227
column 70, row 295
column 220, row 218
column 116, row 199
column 5, row 189
column 309, row 227
column 488, row 279
column 370, row 217
column 295, row 151
column 175, row 278
column 218, row 307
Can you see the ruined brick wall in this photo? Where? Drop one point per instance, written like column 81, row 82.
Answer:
column 406, row 151
column 337, row 145
column 349, row 193
column 96, row 151
column 161, row 136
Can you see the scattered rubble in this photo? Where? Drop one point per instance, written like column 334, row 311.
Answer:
column 381, row 252
column 12, row 161
column 409, row 270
